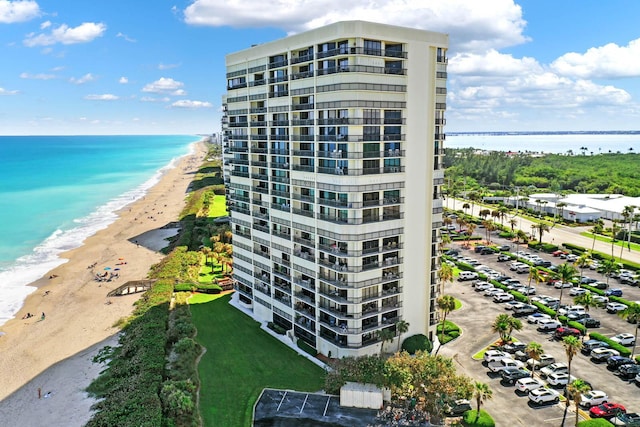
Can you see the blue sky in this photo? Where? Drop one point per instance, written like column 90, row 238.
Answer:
column 157, row 67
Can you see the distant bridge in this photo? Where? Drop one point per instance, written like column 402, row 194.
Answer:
column 132, row 287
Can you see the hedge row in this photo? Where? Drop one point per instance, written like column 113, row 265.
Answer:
column 624, row 351
column 602, row 256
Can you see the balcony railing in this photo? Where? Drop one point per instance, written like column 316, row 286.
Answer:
column 277, row 64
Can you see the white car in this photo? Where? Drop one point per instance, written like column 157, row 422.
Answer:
column 561, row 378
column 492, row 291
column 577, row 291
column 600, row 299
column 502, row 297
column 545, row 360
column 537, row 318
column 601, row 354
column 505, row 363
column 554, row 368
column 495, row 355
column 548, row 325
column 542, row 395
column 571, row 309
column 560, row 285
column 624, row 339
column 593, row 398
column 525, row 385
column 614, row 307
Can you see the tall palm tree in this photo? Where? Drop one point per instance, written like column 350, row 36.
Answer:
column 385, row 335
column 586, row 300
column 537, row 276
column 576, row 389
column 542, row 228
column 615, row 228
column 504, row 325
column 503, row 210
column 513, row 222
column 609, row 267
column 401, row 328
column 632, row 315
column 572, row 346
column 597, row 229
column 560, row 206
column 534, row 350
column 482, row 393
column 465, row 206
column 491, row 227
column 471, row 227
column 446, row 304
column 445, row 274
column 583, row 261
column 627, row 214
column 565, row 273
column 206, row 251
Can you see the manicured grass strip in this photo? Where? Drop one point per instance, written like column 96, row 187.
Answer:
column 458, row 304
column 240, row 361
column 218, row 207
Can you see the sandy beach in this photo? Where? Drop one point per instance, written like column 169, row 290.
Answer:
column 71, row 310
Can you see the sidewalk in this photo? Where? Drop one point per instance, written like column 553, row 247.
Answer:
column 558, row 234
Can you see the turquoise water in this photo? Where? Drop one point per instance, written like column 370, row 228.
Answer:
column 55, row 191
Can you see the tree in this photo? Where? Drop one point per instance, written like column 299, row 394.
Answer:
column 513, row 222
column 542, row 228
column 504, row 325
column 560, row 206
column 576, row 389
column 597, row 229
column 632, row 315
column 491, row 227
column 446, row 304
column 474, row 196
column 445, row 274
column 537, row 276
column 465, row 206
column 503, row 210
column 534, row 350
column 609, row 267
column 206, row 251
column 565, row 273
column 583, row 261
column 385, row 335
column 471, row 227
column 484, row 213
column 481, row 393
column 627, row 214
column 521, row 236
column 586, row 300
column 401, row 328
column 572, row 346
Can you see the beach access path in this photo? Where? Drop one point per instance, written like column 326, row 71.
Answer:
column 77, row 312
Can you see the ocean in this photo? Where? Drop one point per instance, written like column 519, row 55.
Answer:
column 55, row 191
column 596, row 143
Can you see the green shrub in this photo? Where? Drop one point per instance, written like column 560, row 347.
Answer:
column 624, row 351
column 577, row 326
column 519, row 297
column 544, row 309
column 302, row 345
column 596, row 422
column 417, row 342
column 484, row 420
column 276, row 328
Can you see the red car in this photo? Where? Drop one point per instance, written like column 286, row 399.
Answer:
column 606, row 410
column 562, row 332
column 558, row 253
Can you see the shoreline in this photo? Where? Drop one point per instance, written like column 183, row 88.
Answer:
column 77, row 312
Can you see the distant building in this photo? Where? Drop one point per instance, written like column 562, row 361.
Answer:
column 333, row 155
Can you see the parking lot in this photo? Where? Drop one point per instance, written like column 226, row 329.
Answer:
column 478, row 313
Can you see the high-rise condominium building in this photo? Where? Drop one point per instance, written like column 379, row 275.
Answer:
column 333, row 164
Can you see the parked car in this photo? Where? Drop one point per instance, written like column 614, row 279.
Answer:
column 505, row 363
column 554, row 368
column 613, row 292
column 495, row 355
column 615, row 362
column 606, row 410
column 624, row 339
column 560, row 285
column 614, row 307
column 600, row 299
column 505, row 247
column 577, row 291
column 537, row 318
column 543, row 395
column 563, row 331
column 559, row 379
column 593, row 398
column 589, row 322
column 514, row 346
column 525, row 385
column 457, row 407
column 503, row 297
column 599, row 355
column 630, row 419
column 525, row 309
column 565, row 310
column 511, row 375
column 467, row 275
column 545, row 360
column 628, row 371
column 548, row 325
column 590, row 345
column 559, row 253
column 504, row 258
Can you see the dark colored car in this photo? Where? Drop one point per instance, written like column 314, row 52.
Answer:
column 478, row 248
column 563, row 331
column 457, row 407
column 614, row 292
column 614, row 362
column 606, row 410
column 629, row 419
column 628, row 372
column 452, row 252
column 514, row 346
column 542, row 263
column 589, row 345
column 487, row 251
column 511, row 375
column 589, row 322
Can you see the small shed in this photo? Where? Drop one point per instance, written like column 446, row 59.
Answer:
column 357, row 395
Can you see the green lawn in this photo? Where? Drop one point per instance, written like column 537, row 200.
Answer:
column 240, row 361
column 208, row 274
column 218, row 207
column 618, row 243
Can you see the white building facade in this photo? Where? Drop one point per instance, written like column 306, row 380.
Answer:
column 333, row 165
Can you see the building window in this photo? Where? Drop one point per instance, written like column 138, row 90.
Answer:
column 373, row 47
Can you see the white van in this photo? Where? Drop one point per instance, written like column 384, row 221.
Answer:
column 467, row 275
column 523, row 268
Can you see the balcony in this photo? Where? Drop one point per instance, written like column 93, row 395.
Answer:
column 279, row 151
column 303, row 241
column 303, row 138
column 278, row 64
column 298, row 107
column 303, row 212
column 279, row 79
column 303, row 153
column 278, row 165
column 256, row 137
column 303, row 168
column 301, row 58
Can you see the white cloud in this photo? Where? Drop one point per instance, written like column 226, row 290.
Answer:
column 185, row 103
column 126, row 37
column 607, row 62
column 39, row 76
column 4, row 91
column 103, row 97
column 84, row 79
column 123, row 80
column 165, row 85
column 18, row 11
column 45, row 24
column 83, row 33
column 167, row 66
column 473, row 25
column 152, row 99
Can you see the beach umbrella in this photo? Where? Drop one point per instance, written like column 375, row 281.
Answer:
column 116, row 269
column 107, row 268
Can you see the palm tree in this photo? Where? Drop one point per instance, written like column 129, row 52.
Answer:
column 401, row 328
column 484, row 213
column 513, row 222
column 486, row 225
column 632, row 315
column 586, row 300
column 446, row 303
column 560, row 206
column 482, row 393
column 465, row 206
column 471, row 227
column 583, row 261
column 206, row 251
column 615, row 228
column 542, row 228
column 565, row 273
column 576, row 389
column 537, row 276
column 572, row 346
column 609, row 267
column 534, row 350
column 504, row 325
column 491, row 227
column 503, row 210
column 445, row 274
column 627, row 214
column 597, row 229
column 385, row 335
column 474, row 197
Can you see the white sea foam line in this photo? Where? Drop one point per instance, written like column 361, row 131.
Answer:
column 45, row 256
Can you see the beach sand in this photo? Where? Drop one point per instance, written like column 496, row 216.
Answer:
column 78, row 313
